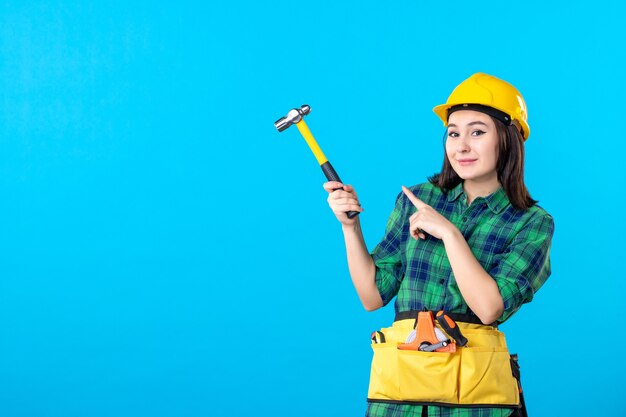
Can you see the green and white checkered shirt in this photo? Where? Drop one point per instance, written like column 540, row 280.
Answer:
column 512, row 245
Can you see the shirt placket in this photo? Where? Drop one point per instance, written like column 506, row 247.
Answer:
column 457, row 215
column 463, row 217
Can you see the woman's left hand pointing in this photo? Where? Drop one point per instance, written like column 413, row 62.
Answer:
column 426, row 219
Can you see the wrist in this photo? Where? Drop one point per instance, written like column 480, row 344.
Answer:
column 351, row 227
column 452, row 233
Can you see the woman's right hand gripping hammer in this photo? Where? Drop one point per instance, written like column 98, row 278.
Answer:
column 342, row 199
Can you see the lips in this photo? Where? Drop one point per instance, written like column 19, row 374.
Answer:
column 464, row 162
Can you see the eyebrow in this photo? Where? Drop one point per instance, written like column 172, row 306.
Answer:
column 478, row 122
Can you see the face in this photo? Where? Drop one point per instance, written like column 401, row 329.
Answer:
column 472, row 146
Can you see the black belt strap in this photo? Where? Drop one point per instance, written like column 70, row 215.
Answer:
column 465, row 318
column 522, row 411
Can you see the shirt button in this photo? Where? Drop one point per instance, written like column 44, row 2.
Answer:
column 464, row 219
column 441, row 281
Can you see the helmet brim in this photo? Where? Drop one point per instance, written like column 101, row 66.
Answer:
column 442, row 112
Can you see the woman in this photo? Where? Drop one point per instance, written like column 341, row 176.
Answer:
column 471, row 242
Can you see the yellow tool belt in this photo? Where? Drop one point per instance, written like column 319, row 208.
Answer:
column 478, row 374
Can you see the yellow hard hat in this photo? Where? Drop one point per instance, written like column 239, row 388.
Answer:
column 481, row 90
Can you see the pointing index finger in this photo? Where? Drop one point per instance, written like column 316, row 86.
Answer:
column 416, row 201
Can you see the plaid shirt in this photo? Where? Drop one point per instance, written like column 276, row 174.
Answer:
column 512, row 245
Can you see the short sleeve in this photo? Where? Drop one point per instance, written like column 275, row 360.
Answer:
column 525, row 265
column 387, row 255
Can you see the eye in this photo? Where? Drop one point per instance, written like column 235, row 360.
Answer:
column 453, row 135
column 478, row 133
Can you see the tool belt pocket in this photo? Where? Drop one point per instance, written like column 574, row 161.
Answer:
column 478, row 374
column 409, row 375
column 485, row 377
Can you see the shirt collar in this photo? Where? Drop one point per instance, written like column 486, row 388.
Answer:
column 454, row 193
column 496, row 201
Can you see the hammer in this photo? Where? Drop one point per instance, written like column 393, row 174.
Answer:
column 296, row 116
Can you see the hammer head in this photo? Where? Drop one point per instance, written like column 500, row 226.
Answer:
column 293, row 117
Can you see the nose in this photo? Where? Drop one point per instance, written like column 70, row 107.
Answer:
column 462, row 144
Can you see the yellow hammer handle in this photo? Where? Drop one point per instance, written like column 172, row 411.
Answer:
column 327, row 168
column 310, row 140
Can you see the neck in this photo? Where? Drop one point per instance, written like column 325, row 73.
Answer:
column 479, row 189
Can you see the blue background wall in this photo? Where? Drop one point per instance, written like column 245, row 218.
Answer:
column 165, row 252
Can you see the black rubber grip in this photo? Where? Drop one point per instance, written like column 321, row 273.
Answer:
column 331, row 175
column 450, row 327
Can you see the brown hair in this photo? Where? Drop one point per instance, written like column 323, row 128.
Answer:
column 510, row 167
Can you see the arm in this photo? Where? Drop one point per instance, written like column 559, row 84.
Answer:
column 524, row 266
column 478, row 288
column 360, row 263
column 361, row 266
